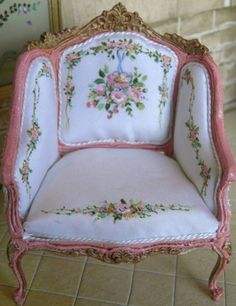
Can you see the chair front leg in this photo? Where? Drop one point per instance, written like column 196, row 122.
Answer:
column 15, row 254
column 224, row 254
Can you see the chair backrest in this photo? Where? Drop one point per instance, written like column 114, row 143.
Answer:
column 116, row 87
column 112, row 83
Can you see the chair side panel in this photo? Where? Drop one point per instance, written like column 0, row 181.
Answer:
column 38, row 147
column 193, row 144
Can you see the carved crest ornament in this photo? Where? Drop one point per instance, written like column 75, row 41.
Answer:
column 118, row 19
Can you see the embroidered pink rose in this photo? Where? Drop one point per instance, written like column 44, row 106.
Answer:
column 69, row 86
column 102, row 209
column 192, row 136
column 120, row 44
column 118, row 80
column 118, row 96
column 70, row 57
column 166, row 59
column 46, row 69
column 122, row 208
column 205, row 171
column 34, row 133
column 142, row 206
column 135, row 93
column 164, row 92
column 25, row 169
column 100, row 90
column 91, row 104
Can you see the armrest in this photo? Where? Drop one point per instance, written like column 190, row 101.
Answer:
column 200, row 145
column 31, row 146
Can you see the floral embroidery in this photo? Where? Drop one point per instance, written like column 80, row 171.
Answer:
column 25, row 170
column 71, row 61
column 193, row 134
column 118, row 89
column 163, row 89
column 21, row 9
column 34, row 132
column 120, row 210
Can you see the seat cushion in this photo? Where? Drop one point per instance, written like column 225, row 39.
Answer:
column 118, row 196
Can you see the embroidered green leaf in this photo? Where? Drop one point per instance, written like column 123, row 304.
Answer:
column 106, row 69
column 100, row 106
column 107, row 106
column 129, row 110
column 99, row 81
column 101, row 73
column 140, row 105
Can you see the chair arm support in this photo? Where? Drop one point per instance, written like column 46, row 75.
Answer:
column 226, row 159
column 31, row 146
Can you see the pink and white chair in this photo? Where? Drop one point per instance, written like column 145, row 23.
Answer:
column 116, row 147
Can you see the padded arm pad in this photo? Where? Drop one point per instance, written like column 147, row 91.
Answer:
column 37, row 146
column 193, row 143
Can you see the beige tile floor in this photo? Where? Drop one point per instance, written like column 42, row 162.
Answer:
column 158, row 281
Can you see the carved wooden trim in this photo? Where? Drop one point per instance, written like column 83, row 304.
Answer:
column 115, row 20
column 120, row 256
column 192, row 46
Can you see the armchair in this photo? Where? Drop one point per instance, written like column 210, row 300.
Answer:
column 116, row 147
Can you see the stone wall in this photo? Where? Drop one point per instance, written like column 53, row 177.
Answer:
column 213, row 22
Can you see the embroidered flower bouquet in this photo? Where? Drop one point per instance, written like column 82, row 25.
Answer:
column 116, row 147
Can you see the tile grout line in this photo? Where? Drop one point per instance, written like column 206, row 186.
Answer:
column 36, row 269
column 105, row 302
column 131, row 285
column 64, row 257
column 80, row 281
column 225, row 291
column 197, row 278
column 175, row 281
column 116, row 266
column 51, row 292
column 35, row 272
column 3, row 248
column 231, row 283
column 155, row 272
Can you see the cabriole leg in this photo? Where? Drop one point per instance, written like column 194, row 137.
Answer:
column 14, row 256
column 222, row 261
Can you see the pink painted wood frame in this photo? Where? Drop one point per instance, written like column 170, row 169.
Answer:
column 220, row 244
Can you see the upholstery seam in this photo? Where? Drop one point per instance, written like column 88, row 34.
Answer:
column 45, row 237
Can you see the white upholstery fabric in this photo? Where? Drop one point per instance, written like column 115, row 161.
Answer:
column 194, row 99
column 90, row 80
column 90, row 176
column 38, row 135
